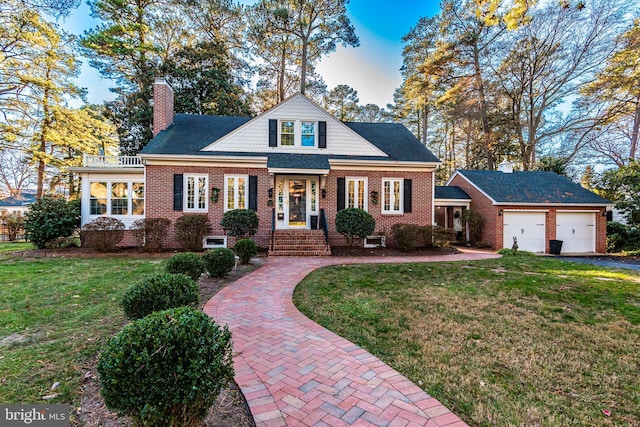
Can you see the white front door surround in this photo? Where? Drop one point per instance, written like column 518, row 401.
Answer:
column 297, row 200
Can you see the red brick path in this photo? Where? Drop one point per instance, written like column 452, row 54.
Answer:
column 294, row 372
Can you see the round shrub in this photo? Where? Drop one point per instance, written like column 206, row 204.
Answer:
column 167, row 368
column 50, row 218
column 191, row 229
column 159, row 292
column 245, row 249
column 218, row 262
column 186, row 263
column 240, row 223
column 354, row 222
column 102, row 234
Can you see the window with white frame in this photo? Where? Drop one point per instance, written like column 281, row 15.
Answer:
column 392, row 195
column 287, row 133
column 298, row 133
column 117, row 198
column 236, row 192
column 356, row 193
column 195, row 195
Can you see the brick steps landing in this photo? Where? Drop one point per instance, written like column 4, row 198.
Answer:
column 299, row 243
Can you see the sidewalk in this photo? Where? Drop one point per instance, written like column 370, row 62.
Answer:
column 293, row 372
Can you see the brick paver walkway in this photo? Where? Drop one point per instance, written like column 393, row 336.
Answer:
column 294, row 372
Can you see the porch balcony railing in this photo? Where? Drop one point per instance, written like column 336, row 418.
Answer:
column 93, row 161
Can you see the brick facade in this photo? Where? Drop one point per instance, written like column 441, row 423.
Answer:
column 159, row 198
column 492, row 231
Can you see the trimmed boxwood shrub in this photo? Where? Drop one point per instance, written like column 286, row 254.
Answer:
column 191, row 229
column 150, row 233
column 240, row 223
column 354, row 222
column 186, row 263
column 408, row 236
column 218, row 262
column 167, row 368
column 102, row 234
column 49, row 218
column 159, row 292
column 245, row 249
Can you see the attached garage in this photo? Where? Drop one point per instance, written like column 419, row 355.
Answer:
column 527, row 227
column 577, row 230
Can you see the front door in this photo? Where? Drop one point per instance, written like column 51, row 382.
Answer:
column 296, row 201
column 297, row 215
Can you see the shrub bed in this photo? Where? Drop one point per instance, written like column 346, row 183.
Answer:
column 102, row 234
column 191, row 229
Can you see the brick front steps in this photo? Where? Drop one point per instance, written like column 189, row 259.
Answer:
column 299, row 243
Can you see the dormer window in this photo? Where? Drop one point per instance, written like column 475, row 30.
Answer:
column 287, row 133
column 297, row 133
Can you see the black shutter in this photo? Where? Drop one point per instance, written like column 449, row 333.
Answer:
column 341, row 193
column 273, row 133
column 253, row 193
column 407, row 196
column 322, row 134
column 177, row 191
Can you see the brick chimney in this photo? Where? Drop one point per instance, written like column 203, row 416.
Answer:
column 162, row 105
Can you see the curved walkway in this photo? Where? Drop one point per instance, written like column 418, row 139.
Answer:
column 294, row 372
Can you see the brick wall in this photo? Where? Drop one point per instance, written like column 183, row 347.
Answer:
column 492, row 229
column 159, row 199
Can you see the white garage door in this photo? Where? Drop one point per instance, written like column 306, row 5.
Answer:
column 577, row 230
column 527, row 227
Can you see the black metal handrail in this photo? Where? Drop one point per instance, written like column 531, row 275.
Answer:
column 324, row 226
column 273, row 226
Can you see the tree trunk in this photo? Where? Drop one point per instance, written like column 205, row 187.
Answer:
column 303, row 65
column 634, row 133
column 283, row 68
column 486, row 131
column 42, row 144
column 425, row 123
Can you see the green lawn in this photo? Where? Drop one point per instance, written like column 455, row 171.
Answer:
column 7, row 248
column 59, row 312
column 514, row 341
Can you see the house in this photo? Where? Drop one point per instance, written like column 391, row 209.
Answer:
column 295, row 165
column 535, row 208
column 16, row 204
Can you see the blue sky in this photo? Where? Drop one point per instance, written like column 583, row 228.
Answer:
column 372, row 68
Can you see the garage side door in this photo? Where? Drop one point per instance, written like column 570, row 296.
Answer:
column 528, row 227
column 577, row 230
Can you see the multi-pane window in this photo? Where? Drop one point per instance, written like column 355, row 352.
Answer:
column 98, row 198
column 116, row 198
column 236, row 192
column 287, row 133
column 119, row 198
column 308, row 134
column 196, row 193
column 356, row 193
column 391, row 195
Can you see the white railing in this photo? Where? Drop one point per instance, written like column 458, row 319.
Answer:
column 92, row 161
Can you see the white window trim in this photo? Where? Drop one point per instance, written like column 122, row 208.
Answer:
column 297, row 134
column 366, row 191
column 185, row 204
column 235, row 190
column 391, row 200
column 109, row 183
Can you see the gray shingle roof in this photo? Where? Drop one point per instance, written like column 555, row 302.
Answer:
column 531, row 187
column 451, row 192
column 190, row 133
column 298, row 161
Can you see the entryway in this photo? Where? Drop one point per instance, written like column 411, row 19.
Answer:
column 296, row 202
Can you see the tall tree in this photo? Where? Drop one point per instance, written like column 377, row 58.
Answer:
column 618, row 88
column 317, row 25
column 342, row 102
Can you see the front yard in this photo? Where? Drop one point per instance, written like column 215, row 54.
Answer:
column 513, row 341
